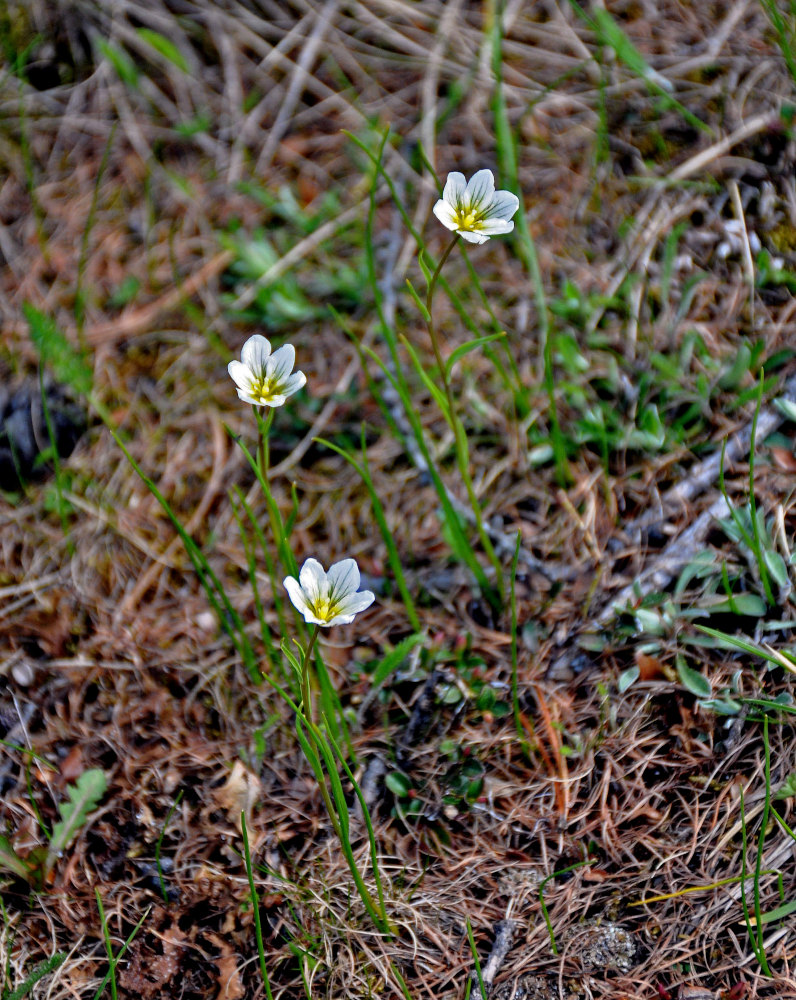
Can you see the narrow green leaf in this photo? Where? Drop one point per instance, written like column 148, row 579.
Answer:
column 437, row 394
column 125, row 68
column 777, row 914
column 471, row 345
column 395, row 658
column 418, row 301
column 165, row 47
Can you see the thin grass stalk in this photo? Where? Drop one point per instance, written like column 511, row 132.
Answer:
column 80, row 304
column 338, row 812
column 258, row 930
column 461, row 544
column 106, row 935
column 761, row 843
column 270, row 569
column 374, row 857
column 751, row 931
column 543, row 905
column 251, row 565
column 169, row 814
column 393, row 557
column 401, row 982
column 459, row 433
column 57, row 468
column 214, row 590
column 122, row 950
column 474, row 952
column 507, row 156
column 515, row 694
column 758, row 548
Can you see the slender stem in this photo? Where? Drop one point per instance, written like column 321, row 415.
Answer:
column 459, row 433
column 306, row 687
column 430, row 322
column 263, row 432
column 305, row 715
column 263, row 459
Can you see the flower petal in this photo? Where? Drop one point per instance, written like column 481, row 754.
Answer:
column 296, row 381
column 446, row 214
column 480, row 190
column 312, row 578
column 471, row 237
column 255, row 353
column 453, row 192
column 504, row 205
column 296, row 595
column 282, row 361
column 240, row 374
column 357, row 602
column 343, row 579
column 494, row 227
column 248, row 397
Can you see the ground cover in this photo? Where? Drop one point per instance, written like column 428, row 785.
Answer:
column 567, row 715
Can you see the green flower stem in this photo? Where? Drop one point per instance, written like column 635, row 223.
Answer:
column 432, row 332
column 306, row 687
column 263, row 461
column 459, row 433
column 316, row 744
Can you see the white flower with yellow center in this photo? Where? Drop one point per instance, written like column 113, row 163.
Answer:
column 331, row 598
column 474, row 209
column 263, row 378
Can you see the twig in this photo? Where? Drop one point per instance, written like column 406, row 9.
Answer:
column 706, row 473
column 504, row 939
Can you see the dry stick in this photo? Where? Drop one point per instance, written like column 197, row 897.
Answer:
column 686, row 546
column 504, row 939
column 133, row 322
column 649, row 221
column 297, row 83
column 704, row 475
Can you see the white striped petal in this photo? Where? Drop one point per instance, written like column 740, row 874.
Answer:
column 472, row 237
column 455, row 188
column 446, row 214
column 480, row 190
column 504, row 205
column 494, row 227
column 255, row 353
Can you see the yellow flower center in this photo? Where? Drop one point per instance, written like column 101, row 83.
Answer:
column 266, row 388
column 325, row 608
column 467, row 221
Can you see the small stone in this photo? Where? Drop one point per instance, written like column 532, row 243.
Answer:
column 23, row 673
column 205, row 620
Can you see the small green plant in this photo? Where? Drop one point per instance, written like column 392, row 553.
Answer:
column 82, row 798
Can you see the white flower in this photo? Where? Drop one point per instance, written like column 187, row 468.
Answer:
column 328, row 598
column 475, row 210
column 265, row 379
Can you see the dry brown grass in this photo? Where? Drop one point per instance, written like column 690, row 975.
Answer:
column 109, row 658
